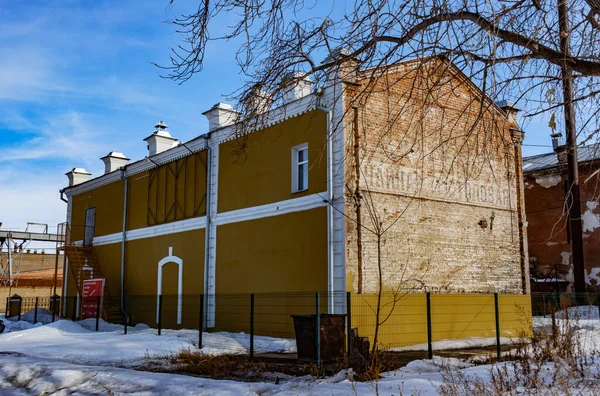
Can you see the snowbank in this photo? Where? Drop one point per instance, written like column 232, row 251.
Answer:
column 583, row 312
column 18, row 326
column 79, row 342
column 65, row 340
column 43, row 316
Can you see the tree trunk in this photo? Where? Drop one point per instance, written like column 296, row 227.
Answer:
column 357, row 201
column 574, row 200
column 379, row 294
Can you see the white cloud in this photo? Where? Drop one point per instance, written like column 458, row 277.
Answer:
column 31, row 195
column 65, row 136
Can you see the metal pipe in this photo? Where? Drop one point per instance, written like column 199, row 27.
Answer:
column 251, row 326
column 330, row 199
column 318, row 329
column 207, row 229
column 61, row 196
column 201, row 324
column 124, row 236
column 10, row 265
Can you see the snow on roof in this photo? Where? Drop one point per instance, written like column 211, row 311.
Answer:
column 548, row 280
column 116, row 154
column 550, row 160
column 80, row 170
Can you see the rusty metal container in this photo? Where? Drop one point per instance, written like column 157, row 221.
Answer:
column 332, row 336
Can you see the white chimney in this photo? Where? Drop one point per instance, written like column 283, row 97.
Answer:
column 258, row 102
column 295, row 86
column 160, row 140
column 77, row 176
column 221, row 115
column 343, row 65
column 508, row 106
column 113, row 161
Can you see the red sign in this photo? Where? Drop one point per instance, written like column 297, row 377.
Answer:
column 93, row 291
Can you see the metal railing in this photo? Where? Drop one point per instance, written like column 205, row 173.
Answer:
column 419, row 325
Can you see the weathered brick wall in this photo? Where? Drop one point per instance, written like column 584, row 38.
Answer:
column 549, row 244
column 437, row 170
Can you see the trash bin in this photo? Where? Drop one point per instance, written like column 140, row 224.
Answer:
column 332, row 336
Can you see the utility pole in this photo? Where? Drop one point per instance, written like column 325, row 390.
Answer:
column 573, row 198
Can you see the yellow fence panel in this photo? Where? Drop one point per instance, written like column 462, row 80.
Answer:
column 453, row 316
column 456, row 316
column 403, row 318
column 515, row 315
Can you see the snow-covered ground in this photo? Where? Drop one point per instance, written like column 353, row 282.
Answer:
column 78, row 342
column 24, row 375
column 66, row 358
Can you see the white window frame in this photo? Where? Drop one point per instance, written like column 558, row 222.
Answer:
column 296, row 164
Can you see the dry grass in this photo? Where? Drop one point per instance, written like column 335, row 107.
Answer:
column 240, row 368
column 554, row 362
column 237, row 367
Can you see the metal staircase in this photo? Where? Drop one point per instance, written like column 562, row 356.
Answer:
column 84, row 265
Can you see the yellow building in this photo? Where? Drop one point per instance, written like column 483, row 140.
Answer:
column 269, row 211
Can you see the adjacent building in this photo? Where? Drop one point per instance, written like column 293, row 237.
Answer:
column 549, row 234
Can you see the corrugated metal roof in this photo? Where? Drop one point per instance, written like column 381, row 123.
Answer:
column 549, row 160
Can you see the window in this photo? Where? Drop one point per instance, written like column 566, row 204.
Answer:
column 300, row 168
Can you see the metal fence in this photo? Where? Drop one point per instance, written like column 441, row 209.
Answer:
column 421, row 324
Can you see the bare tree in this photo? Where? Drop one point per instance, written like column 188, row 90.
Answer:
column 544, row 54
column 530, row 52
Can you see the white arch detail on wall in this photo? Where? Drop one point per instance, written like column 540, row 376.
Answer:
column 170, row 259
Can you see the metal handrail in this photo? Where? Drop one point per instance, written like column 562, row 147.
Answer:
column 67, row 230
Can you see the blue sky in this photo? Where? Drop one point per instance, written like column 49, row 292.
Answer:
column 76, row 82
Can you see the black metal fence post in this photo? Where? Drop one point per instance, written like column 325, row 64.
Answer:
column 349, row 322
column 126, row 314
column 35, row 311
column 251, row 326
column 6, row 310
column 160, row 314
column 429, row 333
column 318, row 329
column 497, row 311
column 53, row 299
column 201, row 322
column 98, row 313
column 20, row 304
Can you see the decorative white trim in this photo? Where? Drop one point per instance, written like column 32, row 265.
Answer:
column 196, row 223
column 275, row 116
column 210, row 266
column 170, row 259
column 255, row 212
column 273, row 209
column 330, row 200
column 334, row 98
